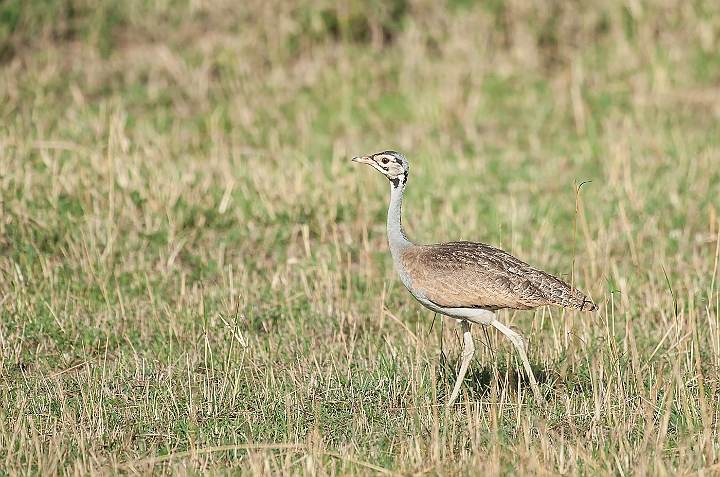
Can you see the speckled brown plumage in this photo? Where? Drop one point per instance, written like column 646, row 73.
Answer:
column 477, row 275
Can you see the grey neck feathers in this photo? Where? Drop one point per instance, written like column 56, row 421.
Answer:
column 396, row 235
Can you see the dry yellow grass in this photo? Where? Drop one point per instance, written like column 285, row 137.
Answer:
column 194, row 278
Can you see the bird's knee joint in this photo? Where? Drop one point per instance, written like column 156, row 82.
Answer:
column 518, row 342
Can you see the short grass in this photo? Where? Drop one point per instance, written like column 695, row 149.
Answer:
column 194, row 278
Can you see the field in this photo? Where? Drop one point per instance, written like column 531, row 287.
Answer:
column 194, row 278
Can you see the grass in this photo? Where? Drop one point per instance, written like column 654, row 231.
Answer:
column 194, row 278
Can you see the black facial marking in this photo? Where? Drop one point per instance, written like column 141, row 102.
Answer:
column 396, row 181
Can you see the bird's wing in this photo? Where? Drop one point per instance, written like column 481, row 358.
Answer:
column 477, row 275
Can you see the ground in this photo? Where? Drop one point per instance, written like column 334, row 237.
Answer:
column 194, row 278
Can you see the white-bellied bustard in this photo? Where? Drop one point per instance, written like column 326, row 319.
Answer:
column 468, row 281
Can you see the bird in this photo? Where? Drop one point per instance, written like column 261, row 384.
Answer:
column 468, row 281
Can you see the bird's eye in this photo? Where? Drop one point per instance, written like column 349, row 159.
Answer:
column 385, row 160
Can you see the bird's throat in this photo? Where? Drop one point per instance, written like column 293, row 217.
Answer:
column 396, row 235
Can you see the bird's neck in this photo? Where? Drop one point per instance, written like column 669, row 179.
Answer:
column 396, row 235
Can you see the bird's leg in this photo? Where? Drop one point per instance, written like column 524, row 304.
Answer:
column 520, row 345
column 467, row 354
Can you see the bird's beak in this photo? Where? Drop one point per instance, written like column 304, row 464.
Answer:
column 363, row 160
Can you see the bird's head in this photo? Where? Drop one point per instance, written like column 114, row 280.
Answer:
column 392, row 164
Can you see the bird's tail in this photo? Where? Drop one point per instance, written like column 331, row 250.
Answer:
column 569, row 297
column 581, row 302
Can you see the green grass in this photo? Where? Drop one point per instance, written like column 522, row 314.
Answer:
column 194, row 278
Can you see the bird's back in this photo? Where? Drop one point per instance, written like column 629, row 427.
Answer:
column 477, row 275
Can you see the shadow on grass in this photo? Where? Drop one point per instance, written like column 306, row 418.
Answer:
column 480, row 378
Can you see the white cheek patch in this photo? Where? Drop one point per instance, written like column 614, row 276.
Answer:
column 396, row 169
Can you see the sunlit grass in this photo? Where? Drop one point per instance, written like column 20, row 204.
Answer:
column 195, row 278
